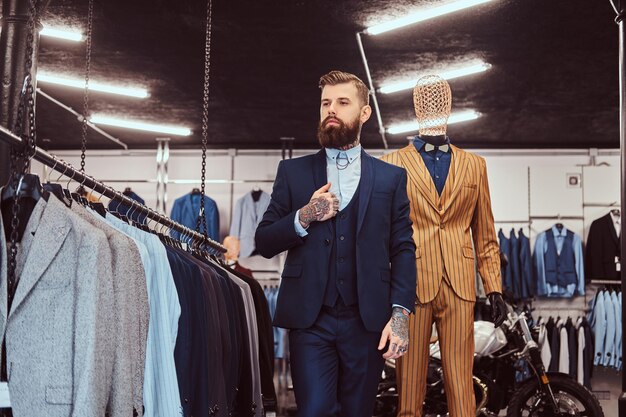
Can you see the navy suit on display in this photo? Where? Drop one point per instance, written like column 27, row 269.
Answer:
column 339, row 281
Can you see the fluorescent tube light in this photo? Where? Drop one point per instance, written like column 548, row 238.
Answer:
column 446, row 75
column 137, row 125
column 462, row 116
column 70, row 35
column 93, row 85
column 422, row 15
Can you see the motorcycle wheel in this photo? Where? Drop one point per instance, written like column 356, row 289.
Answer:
column 572, row 398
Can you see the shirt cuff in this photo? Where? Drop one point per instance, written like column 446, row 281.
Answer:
column 301, row 231
column 402, row 307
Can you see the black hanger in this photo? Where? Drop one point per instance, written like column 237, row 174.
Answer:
column 256, row 194
column 29, row 187
column 195, row 191
column 57, row 191
column 559, row 226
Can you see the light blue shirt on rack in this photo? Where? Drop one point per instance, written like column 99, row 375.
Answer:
column 343, row 172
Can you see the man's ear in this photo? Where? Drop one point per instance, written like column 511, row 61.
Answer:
column 366, row 112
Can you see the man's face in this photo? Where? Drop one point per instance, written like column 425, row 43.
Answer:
column 341, row 115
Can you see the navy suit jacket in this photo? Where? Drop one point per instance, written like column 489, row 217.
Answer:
column 385, row 250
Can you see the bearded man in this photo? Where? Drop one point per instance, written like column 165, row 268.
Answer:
column 348, row 283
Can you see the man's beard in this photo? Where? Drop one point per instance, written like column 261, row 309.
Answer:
column 338, row 136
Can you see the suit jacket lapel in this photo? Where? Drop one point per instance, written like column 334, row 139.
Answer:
column 366, row 184
column 418, row 174
column 49, row 234
column 458, row 170
column 611, row 226
column 320, row 178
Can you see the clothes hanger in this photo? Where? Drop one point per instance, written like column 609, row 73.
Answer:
column 55, row 188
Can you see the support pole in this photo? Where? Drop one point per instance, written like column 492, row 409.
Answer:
column 13, row 45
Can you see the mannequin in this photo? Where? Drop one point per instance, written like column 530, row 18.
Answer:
column 449, row 196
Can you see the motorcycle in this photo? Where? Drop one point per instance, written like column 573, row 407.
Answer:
column 501, row 354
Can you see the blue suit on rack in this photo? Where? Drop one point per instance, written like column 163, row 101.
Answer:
column 186, row 211
column 340, row 280
column 505, row 248
column 526, row 265
column 516, row 272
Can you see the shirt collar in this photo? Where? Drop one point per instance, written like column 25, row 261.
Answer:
column 419, row 143
column 559, row 233
column 352, row 153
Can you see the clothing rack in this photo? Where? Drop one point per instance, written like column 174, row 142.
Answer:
column 99, row 187
column 605, row 282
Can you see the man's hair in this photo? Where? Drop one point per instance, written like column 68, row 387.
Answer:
column 340, row 77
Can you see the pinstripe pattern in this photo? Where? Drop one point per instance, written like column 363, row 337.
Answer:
column 160, row 389
column 454, row 319
column 445, row 227
column 448, row 231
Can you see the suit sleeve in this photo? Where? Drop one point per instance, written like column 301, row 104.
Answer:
column 402, row 250
column 276, row 232
column 484, row 235
column 92, row 320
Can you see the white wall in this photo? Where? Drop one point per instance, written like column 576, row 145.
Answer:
column 524, row 184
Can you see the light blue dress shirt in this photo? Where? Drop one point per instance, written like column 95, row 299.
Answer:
column 616, row 353
column 343, row 182
column 609, row 339
column 541, row 247
column 598, row 324
column 160, row 390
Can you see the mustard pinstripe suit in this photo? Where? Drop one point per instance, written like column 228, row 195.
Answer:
column 448, row 230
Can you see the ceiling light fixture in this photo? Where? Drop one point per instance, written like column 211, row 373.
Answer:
column 93, row 85
column 458, row 117
column 446, row 75
column 67, row 34
column 137, row 125
column 422, row 15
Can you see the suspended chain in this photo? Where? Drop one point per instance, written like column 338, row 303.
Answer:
column 20, row 160
column 205, row 115
column 83, row 147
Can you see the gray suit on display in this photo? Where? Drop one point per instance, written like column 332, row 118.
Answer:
column 131, row 318
column 58, row 329
column 248, row 213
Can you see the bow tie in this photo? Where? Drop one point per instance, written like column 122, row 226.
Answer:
column 443, row 148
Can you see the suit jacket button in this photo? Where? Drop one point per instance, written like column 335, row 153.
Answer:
column 327, row 242
column 443, row 225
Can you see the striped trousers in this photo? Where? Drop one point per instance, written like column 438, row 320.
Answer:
column 454, row 319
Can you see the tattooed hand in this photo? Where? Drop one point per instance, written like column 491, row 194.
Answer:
column 397, row 333
column 323, row 206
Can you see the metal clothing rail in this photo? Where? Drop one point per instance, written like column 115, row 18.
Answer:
column 89, row 182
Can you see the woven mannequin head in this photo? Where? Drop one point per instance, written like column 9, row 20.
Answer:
column 232, row 248
column 432, row 100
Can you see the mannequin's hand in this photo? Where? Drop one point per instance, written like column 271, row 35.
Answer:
column 397, row 332
column 322, row 206
column 498, row 308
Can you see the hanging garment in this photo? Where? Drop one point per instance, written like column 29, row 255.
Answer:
column 58, row 345
column 526, row 266
column 555, row 347
column 619, row 327
column 609, row 338
column 516, row 272
column 265, row 334
column 617, row 336
column 580, row 363
column 559, row 263
column 505, row 249
column 572, row 345
column 563, row 348
column 602, row 251
column 123, row 209
column 161, row 394
column 186, row 211
column 598, row 322
column 131, row 317
column 246, row 217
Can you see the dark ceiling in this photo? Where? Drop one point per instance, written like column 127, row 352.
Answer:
column 553, row 81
